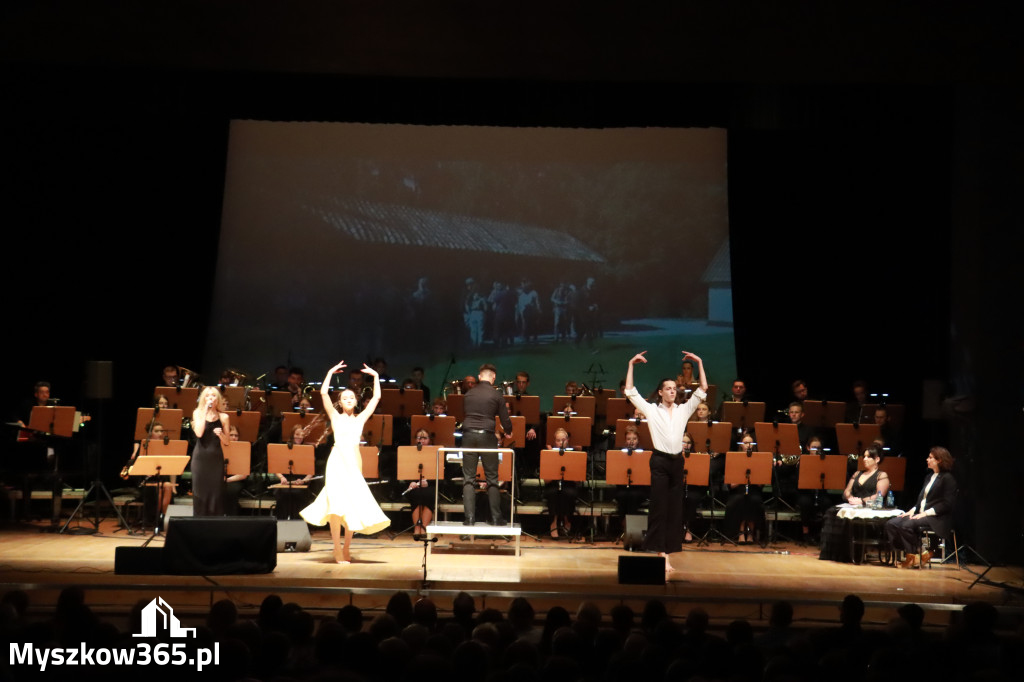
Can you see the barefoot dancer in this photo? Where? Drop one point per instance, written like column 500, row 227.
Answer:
column 346, row 499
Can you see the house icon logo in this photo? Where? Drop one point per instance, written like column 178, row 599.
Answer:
column 158, row 618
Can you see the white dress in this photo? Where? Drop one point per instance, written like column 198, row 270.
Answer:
column 345, row 492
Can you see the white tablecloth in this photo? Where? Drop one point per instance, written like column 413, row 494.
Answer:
column 850, row 511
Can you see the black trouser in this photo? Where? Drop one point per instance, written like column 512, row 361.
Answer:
column 474, row 438
column 665, row 521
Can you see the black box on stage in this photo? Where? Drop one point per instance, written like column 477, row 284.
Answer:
column 293, row 536
column 220, row 545
column 139, row 561
column 636, row 529
column 641, row 570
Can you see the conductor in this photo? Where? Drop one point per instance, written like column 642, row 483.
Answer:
column 482, row 404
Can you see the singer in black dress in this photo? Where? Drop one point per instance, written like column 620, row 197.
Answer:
column 864, row 487
column 212, row 431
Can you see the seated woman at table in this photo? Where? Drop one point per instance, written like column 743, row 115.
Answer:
column 744, row 509
column 863, row 489
column 933, row 511
column 421, row 496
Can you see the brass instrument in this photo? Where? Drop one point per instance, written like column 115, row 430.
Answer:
column 236, row 377
column 789, row 460
column 188, row 377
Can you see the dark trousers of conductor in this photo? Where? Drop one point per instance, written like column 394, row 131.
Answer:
column 665, row 520
column 477, row 439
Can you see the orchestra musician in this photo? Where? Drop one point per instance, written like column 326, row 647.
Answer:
column 560, row 495
column 667, row 422
column 744, row 509
column 164, row 491
column 421, row 495
column 630, row 498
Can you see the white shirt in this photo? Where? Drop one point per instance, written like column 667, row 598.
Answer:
column 667, row 424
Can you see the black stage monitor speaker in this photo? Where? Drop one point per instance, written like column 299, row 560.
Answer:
column 293, row 536
column 176, row 510
column 138, row 560
column 99, row 379
column 636, row 529
column 220, row 545
column 641, row 570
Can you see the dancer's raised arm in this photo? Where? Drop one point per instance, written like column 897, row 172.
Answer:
column 325, row 389
column 372, row 405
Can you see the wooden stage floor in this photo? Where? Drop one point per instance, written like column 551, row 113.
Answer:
column 730, row 581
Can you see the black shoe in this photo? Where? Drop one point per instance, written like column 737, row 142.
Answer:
column 469, row 521
column 465, row 538
column 499, row 522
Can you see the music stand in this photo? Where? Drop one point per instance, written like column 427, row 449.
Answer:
column 743, row 414
column 617, row 409
column 824, row 414
column 749, row 468
column 456, row 404
column 628, row 467
column 378, row 430
column 418, row 463
column 854, row 439
column 580, row 405
column 526, row 406
column 643, row 430
column 896, row 468
column 822, row 472
column 563, row 465
column 258, row 401
column 713, row 437
column 169, row 418
column 578, row 429
column 370, row 457
column 248, row 424
column 159, row 466
column 278, row 403
column 53, row 421
column 178, row 398
column 601, row 398
column 896, row 412
column 290, row 459
column 234, row 396
column 784, row 439
column 237, row 458
column 441, row 429
column 400, row 402
column 518, row 433
column 314, row 426
column 697, row 469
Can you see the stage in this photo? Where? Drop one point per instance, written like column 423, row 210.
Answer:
column 728, row 581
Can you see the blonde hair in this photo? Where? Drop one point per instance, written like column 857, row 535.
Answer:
column 211, row 390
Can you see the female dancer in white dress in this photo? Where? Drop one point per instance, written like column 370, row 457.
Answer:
column 346, row 499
